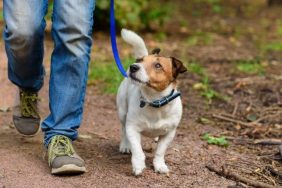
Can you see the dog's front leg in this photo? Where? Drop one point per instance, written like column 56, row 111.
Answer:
column 138, row 156
column 163, row 143
column 124, row 146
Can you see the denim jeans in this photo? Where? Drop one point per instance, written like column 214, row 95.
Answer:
column 71, row 31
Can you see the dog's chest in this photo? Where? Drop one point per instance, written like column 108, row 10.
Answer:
column 156, row 123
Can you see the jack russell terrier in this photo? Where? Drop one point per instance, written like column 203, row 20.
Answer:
column 148, row 103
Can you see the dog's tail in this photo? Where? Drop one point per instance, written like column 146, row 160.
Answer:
column 136, row 42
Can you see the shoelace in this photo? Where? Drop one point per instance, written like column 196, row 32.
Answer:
column 28, row 108
column 62, row 146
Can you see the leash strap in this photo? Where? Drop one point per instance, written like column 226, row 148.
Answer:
column 113, row 39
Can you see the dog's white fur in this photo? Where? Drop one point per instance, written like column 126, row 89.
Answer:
column 136, row 42
column 152, row 122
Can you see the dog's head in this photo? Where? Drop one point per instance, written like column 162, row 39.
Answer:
column 156, row 71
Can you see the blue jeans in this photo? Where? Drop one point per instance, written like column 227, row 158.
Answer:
column 71, row 32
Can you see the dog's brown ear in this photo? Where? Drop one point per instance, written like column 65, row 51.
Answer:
column 156, row 51
column 177, row 67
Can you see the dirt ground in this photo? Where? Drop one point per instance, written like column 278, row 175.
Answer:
column 254, row 112
column 23, row 164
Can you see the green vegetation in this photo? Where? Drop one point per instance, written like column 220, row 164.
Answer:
column 204, row 85
column 196, row 68
column 107, row 75
column 205, row 121
column 161, row 36
column 199, row 38
column 273, row 46
column 279, row 27
column 211, row 6
column 50, row 10
column 208, row 92
column 252, row 117
column 250, row 66
column 269, row 43
column 220, row 141
column 138, row 14
column 1, row 15
column 215, row 5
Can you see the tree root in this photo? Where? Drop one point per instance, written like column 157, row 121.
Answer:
column 236, row 177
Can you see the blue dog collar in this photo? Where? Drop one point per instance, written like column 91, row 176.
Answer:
column 160, row 102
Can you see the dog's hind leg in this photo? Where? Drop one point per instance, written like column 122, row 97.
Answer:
column 124, row 146
column 163, row 143
column 122, row 107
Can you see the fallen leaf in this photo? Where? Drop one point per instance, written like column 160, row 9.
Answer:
column 84, row 136
column 5, row 109
column 252, row 117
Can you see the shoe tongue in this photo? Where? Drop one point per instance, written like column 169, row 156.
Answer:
column 64, row 147
column 61, row 145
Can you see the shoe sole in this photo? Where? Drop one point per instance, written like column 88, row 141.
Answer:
column 27, row 135
column 68, row 170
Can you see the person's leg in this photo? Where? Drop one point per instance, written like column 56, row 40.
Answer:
column 72, row 34
column 23, row 35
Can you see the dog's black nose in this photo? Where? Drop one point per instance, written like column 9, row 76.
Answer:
column 134, row 68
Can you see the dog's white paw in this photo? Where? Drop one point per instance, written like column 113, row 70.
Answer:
column 161, row 167
column 138, row 164
column 138, row 169
column 124, row 147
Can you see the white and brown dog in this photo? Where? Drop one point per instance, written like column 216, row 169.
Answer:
column 148, row 103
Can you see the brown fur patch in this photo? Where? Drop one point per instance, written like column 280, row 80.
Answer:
column 178, row 67
column 160, row 75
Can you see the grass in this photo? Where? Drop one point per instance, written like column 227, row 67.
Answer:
column 1, row 15
column 250, row 67
column 273, row 46
column 200, row 38
column 161, row 36
column 279, row 27
column 50, row 11
column 107, row 75
column 196, row 68
column 220, row 141
column 204, row 85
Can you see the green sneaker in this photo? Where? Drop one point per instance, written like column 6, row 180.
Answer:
column 26, row 117
column 62, row 157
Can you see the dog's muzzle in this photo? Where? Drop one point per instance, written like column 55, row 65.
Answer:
column 133, row 68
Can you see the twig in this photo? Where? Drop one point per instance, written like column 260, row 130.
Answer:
column 265, row 177
column 230, row 175
column 246, row 170
column 232, row 120
column 274, row 171
column 266, row 117
column 239, row 140
column 235, row 109
column 227, row 115
column 280, row 149
column 99, row 136
column 271, row 141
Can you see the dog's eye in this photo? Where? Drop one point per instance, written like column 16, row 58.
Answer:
column 158, row 65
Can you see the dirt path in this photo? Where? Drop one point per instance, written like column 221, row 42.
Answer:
column 223, row 46
column 22, row 162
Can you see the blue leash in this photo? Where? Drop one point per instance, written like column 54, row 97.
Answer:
column 113, row 39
